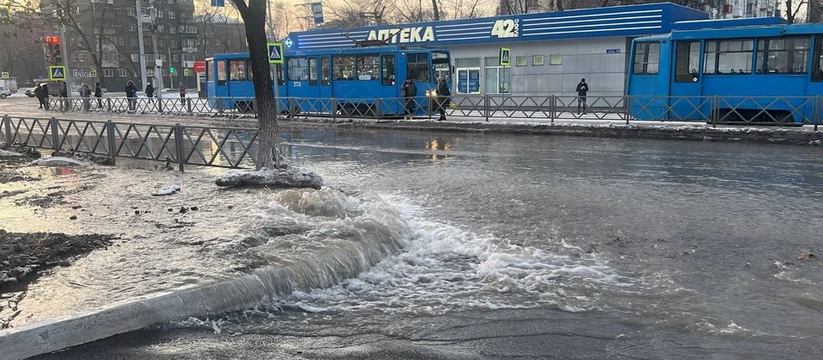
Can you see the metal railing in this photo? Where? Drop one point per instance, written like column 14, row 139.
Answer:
column 175, row 144
column 713, row 109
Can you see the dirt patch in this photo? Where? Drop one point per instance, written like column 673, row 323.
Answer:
column 96, row 159
column 25, row 254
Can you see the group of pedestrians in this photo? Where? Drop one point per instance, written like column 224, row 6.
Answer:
column 41, row 92
column 131, row 93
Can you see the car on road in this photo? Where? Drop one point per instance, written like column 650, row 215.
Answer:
column 4, row 92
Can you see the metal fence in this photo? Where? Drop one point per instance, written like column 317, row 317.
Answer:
column 714, row 109
column 175, row 144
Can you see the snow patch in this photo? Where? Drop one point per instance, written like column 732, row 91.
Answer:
column 59, row 161
column 4, row 153
column 171, row 189
column 289, row 178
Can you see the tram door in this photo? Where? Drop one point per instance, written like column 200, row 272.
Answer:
column 325, row 77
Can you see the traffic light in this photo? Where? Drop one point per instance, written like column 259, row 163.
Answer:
column 53, row 53
column 171, row 70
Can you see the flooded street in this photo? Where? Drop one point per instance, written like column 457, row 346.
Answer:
column 501, row 246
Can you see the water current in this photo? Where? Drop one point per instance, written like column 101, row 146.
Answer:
column 701, row 239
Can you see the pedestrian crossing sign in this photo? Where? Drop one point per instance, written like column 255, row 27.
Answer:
column 57, row 73
column 505, row 56
column 275, row 53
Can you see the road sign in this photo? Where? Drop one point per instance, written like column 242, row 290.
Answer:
column 185, row 72
column 275, row 53
column 317, row 11
column 5, row 75
column 57, row 73
column 200, row 66
column 505, row 56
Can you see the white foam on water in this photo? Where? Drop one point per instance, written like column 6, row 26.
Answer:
column 445, row 267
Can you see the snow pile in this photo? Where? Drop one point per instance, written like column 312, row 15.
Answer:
column 59, row 161
column 288, row 178
column 4, row 153
column 168, row 190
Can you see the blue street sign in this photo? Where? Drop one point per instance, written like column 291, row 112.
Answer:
column 275, row 53
column 317, row 11
column 57, row 73
column 612, row 51
column 220, row 3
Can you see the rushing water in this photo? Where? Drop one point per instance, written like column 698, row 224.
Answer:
column 698, row 239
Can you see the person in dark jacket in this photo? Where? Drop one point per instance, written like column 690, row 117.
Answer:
column 131, row 94
column 409, row 92
column 45, row 94
column 38, row 93
column 149, row 91
column 85, row 93
column 64, row 95
column 443, row 97
column 98, row 93
column 582, row 89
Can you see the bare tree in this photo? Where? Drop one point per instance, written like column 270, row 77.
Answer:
column 253, row 13
column 793, row 8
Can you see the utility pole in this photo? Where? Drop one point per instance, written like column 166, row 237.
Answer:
column 143, row 78
column 158, row 72
column 65, row 54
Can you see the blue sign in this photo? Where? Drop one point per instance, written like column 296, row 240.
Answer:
column 220, row 3
column 275, row 53
column 612, row 51
column 474, row 81
column 317, row 11
column 289, row 43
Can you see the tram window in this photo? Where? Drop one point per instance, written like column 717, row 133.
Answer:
column 687, row 61
column 782, row 55
column 279, row 69
column 418, row 67
column 325, row 71
column 728, row 57
column 388, row 70
column 237, row 70
column 817, row 73
column 646, row 58
column 343, row 67
column 209, row 71
column 312, row 71
column 367, row 67
column 221, row 72
column 298, row 69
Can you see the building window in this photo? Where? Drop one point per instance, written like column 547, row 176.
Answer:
column 149, row 72
column 729, row 57
column 171, row 15
column 160, row 14
column 123, row 73
column 172, row 30
column 646, row 58
column 343, row 67
column 468, row 75
column 161, row 43
column 418, row 67
column 121, row 41
column 172, row 43
column 161, row 29
column 537, row 60
column 498, row 78
column 74, row 58
column 556, row 59
column 687, row 61
column 135, row 57
column 108, row 73
column 784, row 55
column 130, row 11
column 174, row 58
column 81, row 57
column 521, row 61
column 132, row 27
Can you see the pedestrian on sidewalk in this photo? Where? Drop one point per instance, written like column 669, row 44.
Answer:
column 409, row 92
column 45, row 93
column 85, row 93
column 149, row 91
column 64, row 96
column 443, row 97
column 582, row 89
column 182, row 89
column 38, row 92
column 98, row 93
column 131, row 94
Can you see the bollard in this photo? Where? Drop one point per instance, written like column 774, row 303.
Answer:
column 219, row 105
column 160, row 105
column 178, row 144
column 111, row 132
column 292, row 109
column 108, row 104
column 188, row 105
column 7, row 125
column 552, row 109
column 334, row 109
column 626, row 108
column 55, row 134
column 486, row 107
column 379, row 109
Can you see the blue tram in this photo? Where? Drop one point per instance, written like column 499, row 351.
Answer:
column 361, row 81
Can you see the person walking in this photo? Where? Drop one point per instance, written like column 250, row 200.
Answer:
column 131, row 94
column 98, row 93
column 582, row 89
column 409, row 92
column 182, row 89
column 443, row 97
column 149, row 91
column 64, row 96
column 85, row 93
column 44, row 92
column 38, row 93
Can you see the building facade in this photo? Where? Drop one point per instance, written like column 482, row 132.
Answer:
column 103, row 44
column 549, row 52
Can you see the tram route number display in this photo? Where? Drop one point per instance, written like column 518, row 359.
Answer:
column 506, row 28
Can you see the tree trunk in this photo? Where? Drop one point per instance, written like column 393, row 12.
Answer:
column 436, row 10
column 254, row 17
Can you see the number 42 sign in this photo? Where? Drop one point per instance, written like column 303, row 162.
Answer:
column 506, row 28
